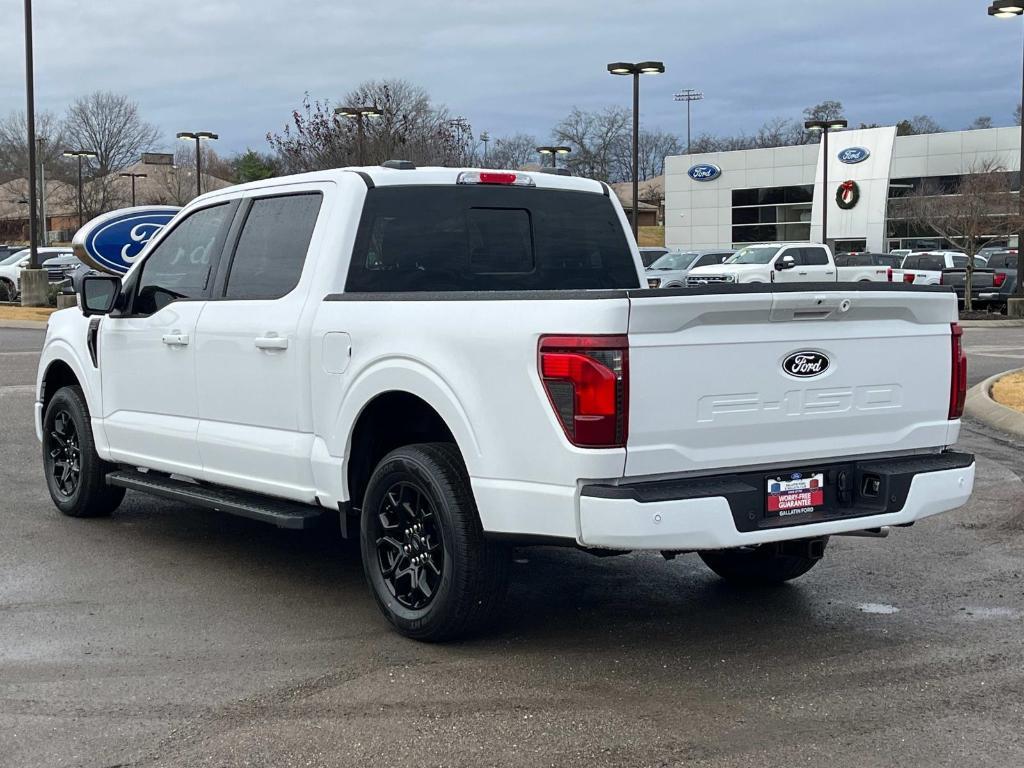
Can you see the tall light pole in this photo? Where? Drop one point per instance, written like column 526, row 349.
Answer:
column 485, row 137
column 43, row 237
column 826, row 127
column 554, row 152
column 30, row 116
column 80, row 154
column 689, row 95
column 359, row 114
column 133, row 177
column 1009, row 9
column 642, row 68
column 198, row 136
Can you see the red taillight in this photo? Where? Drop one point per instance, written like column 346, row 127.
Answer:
column 958, row 373
column 587, row 381
column 497, row 178
column 998, row 279
column 888, row 274
column 908, row 277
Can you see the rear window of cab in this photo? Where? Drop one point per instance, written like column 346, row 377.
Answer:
column 488, row 238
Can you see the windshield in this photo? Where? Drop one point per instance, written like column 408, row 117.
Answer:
column 14, row 258
column 674, row 260
column 754, row 254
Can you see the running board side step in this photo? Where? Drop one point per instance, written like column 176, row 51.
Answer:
column 268, row 509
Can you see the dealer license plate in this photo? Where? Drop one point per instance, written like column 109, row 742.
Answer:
column 795, row 493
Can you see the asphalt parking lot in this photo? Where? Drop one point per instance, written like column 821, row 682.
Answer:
column 173, row 636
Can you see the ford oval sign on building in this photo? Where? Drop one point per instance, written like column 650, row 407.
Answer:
column 852, row 155
column 113, row 241
column 704, row 172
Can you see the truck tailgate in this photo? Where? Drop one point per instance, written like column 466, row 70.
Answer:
column 708, row 389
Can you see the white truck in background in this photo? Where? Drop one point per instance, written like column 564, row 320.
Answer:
column 784, row 263
column 455, row 361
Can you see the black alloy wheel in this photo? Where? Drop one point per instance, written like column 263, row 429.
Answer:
column 410, row 551
column 65, row 454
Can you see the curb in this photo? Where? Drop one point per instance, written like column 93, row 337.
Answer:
column 981, row 406
column 35, row 325
column 992, row 323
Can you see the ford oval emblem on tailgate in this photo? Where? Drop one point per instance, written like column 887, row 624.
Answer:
column 805, row 364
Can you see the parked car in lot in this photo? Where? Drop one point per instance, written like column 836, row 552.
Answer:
column 991, row 285
column 651, row 253
column 10, row 269
column 60, row 265
column 10, row 274
column 770, row 263
column 865, row 267
column 451, row 361
column 926, row 268
column 670, row 270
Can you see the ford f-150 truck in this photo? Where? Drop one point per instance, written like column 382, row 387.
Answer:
column 456, row 361
column 788, row 263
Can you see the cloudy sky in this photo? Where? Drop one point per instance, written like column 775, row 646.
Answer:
column 239, row 67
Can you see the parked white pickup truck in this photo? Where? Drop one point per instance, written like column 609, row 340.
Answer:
column 785, row 263
column 926, row 268
column 461, row 360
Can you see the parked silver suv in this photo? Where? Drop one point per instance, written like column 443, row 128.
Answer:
column 670, row 270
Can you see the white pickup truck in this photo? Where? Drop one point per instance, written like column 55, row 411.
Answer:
column 455, row 361
column 926, row 268
column 785, row 263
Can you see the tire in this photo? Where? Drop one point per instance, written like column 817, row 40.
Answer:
column 75, row 475
column 762, row 565
column 433, row 574
column 7, row 290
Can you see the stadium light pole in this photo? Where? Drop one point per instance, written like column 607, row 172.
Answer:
column 554, row 152
column 485, row 137
column 79, row 153
column 198, row 136
column 133, row 177
column 689, row 95
column 1011, row 9
column 359, row 114
column 825, row 127
column 642, row 68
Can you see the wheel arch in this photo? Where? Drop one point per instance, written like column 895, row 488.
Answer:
column 394, row 404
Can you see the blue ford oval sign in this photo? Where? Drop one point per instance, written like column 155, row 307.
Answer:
column 704, row 172
column 852, row 155
column 113, row 241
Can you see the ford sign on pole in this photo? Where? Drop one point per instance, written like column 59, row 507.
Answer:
column 704, row 172
column 113, row 241
column 853, row 155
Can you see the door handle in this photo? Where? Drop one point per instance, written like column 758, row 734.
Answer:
column 830, row 272
column 175, row 339
column 801, row 273
column 272, row 342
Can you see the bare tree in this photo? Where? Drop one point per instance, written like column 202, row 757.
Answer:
column 410, row 127
column 916, row 125
column 14, row 145
column 172, row 184
column 980, row 122
column 980, row 207
column 109, row 124
column 512, row 152
column 598, row 142
column 827, row 110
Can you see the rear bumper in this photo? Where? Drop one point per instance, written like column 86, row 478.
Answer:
column 726, row 511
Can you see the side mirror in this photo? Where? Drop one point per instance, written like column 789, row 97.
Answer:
column 786, row 262
column 99, row 294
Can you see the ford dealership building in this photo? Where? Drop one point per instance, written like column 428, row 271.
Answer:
column 757, row 195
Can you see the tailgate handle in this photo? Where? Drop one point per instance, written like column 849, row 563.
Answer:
column 811, row 314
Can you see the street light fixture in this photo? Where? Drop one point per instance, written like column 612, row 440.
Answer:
column 641, row 68
column 825, row 127
column 359, row 114
column 198, row 136
column 1010, row 9
column 80, row 154
column 133, row 177
column 485, row 137
column 689, row 95
column 554, row 152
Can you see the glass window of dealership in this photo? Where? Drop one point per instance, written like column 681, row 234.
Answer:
column 728, row 199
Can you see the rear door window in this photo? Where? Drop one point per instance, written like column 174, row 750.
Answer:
column 271, row 249
column 931, row 263
column 488, row 238
column 815, row 257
